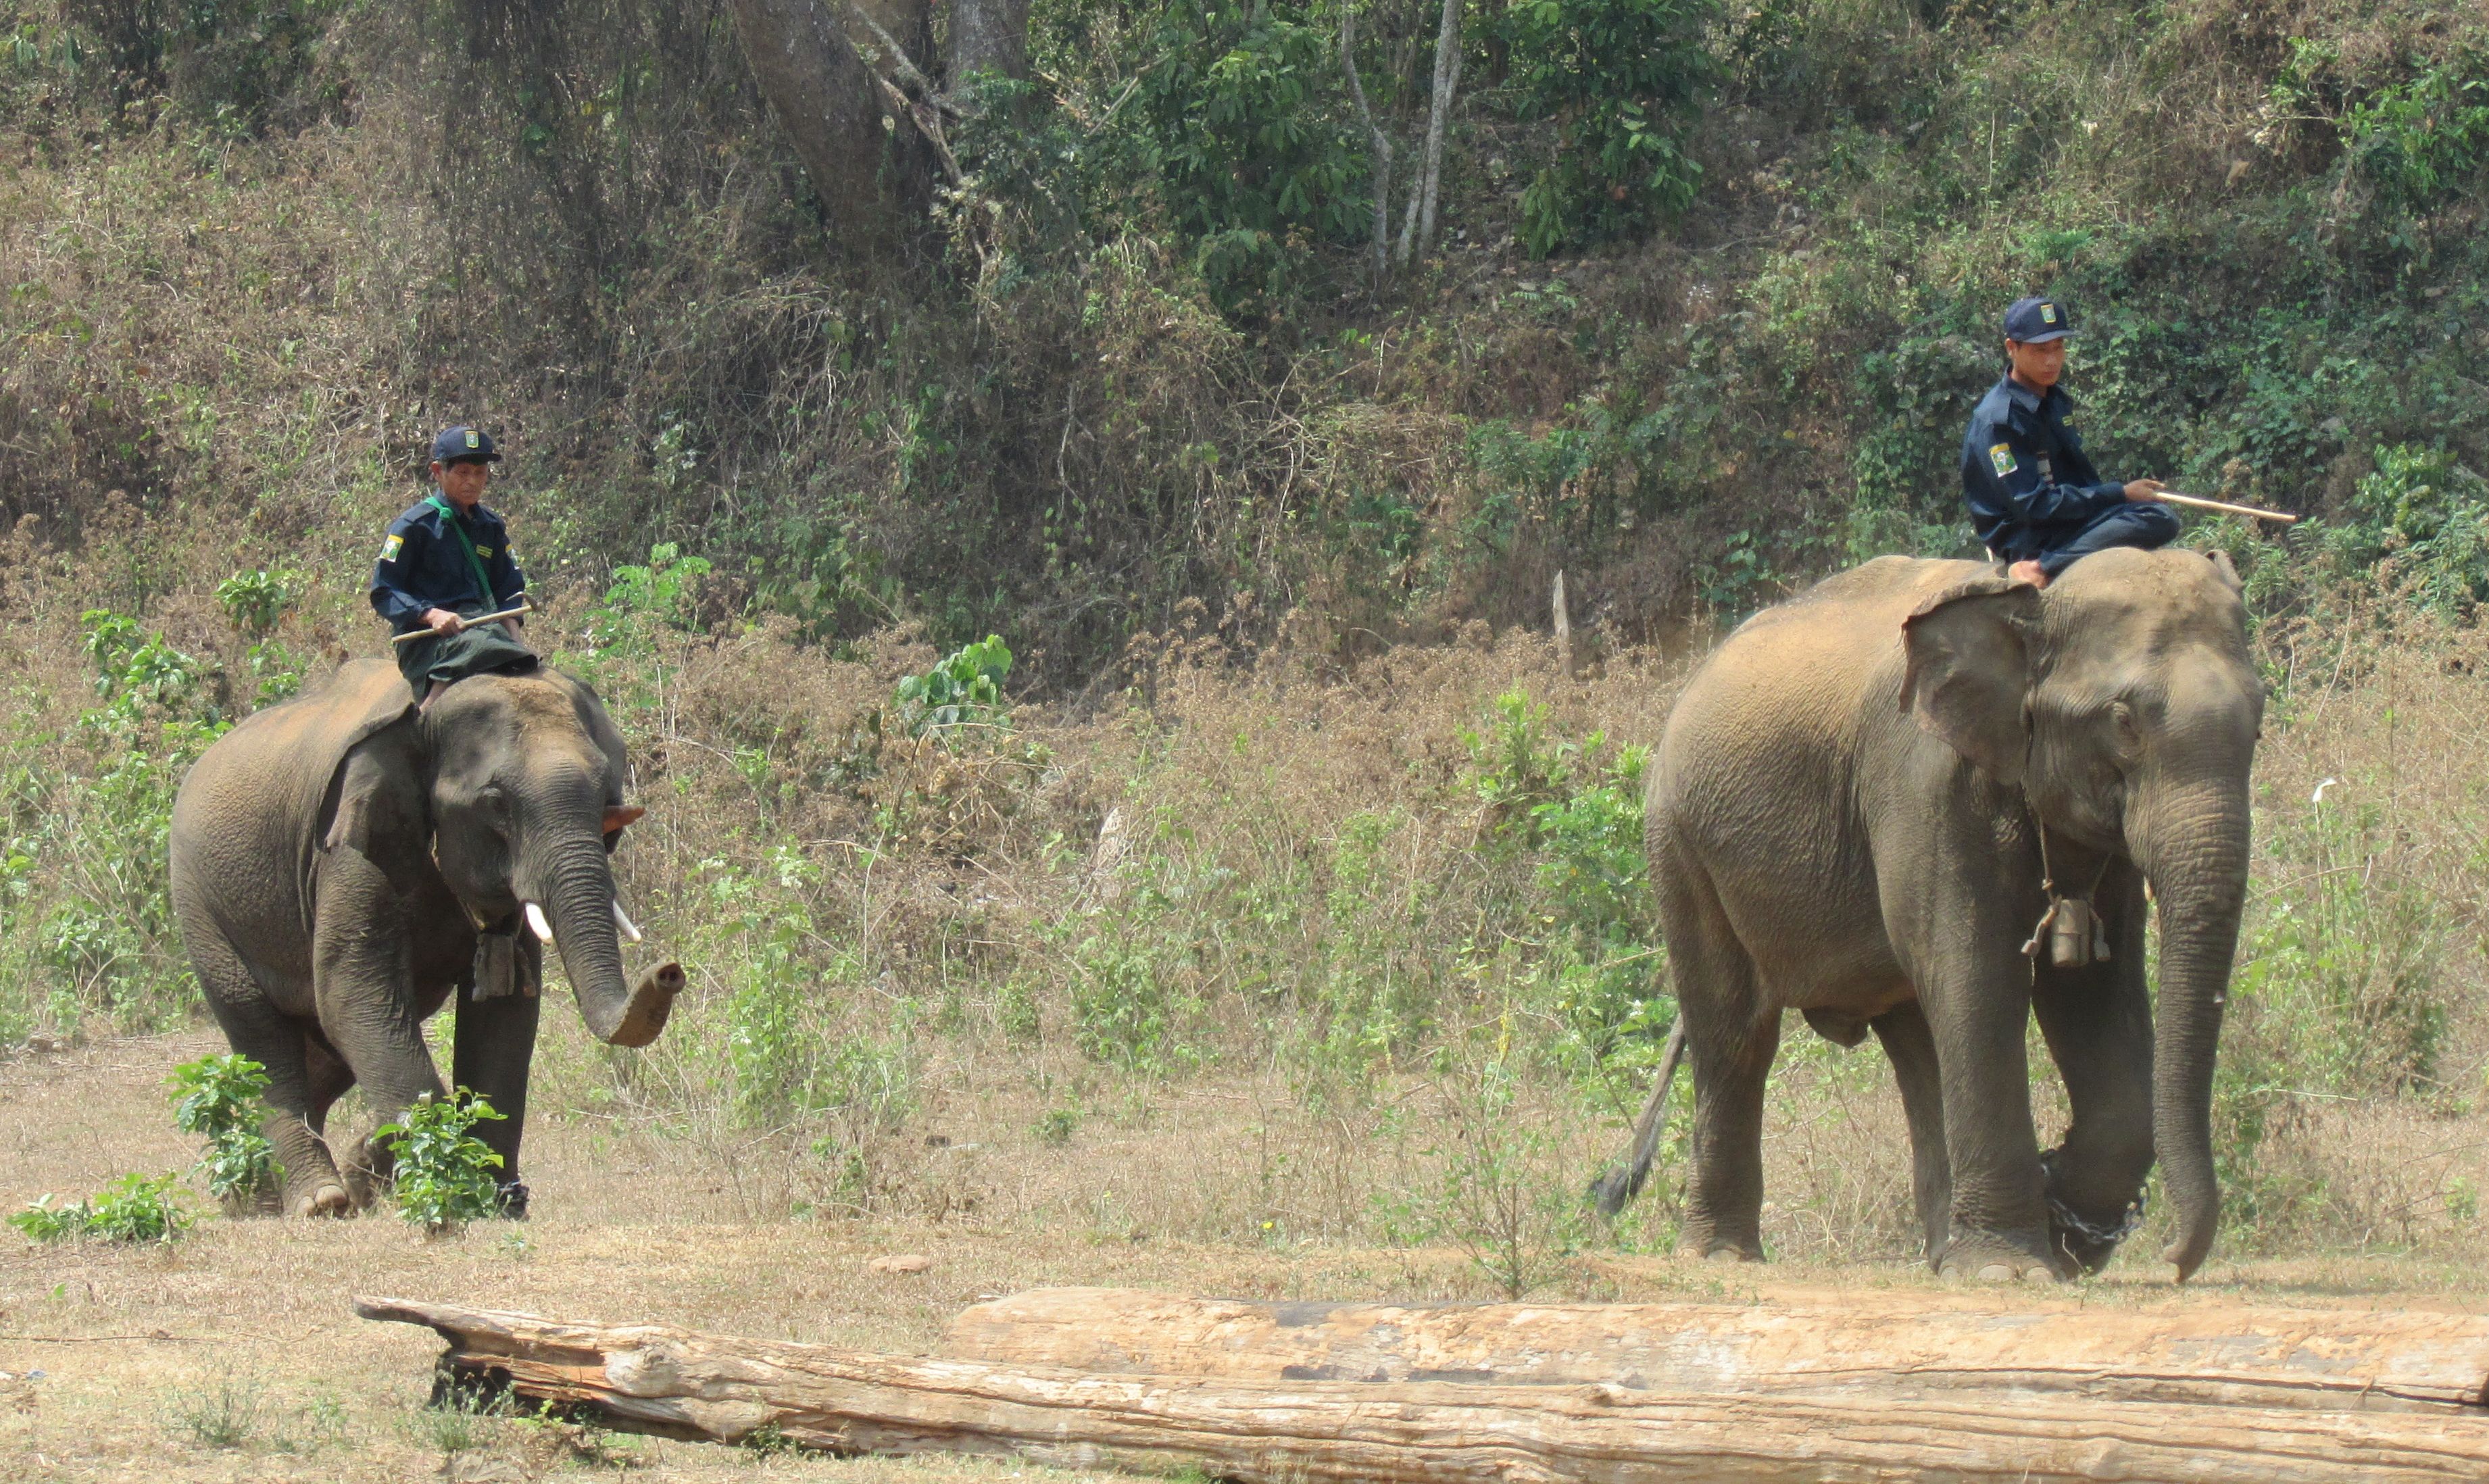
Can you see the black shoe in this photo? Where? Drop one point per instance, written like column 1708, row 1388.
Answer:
column 514, row 1201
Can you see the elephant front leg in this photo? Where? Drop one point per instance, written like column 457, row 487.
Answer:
column 2098, row 1022
column 361, row 977
column 1999, row 1228
column 495, row 1049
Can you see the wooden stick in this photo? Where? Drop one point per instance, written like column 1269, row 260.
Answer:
column 2199, row 502
column 1890, row 1343
column 507, row 612
column 690, row 1385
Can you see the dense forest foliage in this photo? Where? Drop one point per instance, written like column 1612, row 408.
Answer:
column 1258, row 439
column 1710, row 291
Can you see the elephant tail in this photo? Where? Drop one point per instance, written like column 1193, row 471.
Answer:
column 1610, row 1192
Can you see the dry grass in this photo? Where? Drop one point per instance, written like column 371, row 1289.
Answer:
column 250, row 1319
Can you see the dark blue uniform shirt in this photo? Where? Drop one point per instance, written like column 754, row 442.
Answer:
column 2030, row 485
column 421, row 566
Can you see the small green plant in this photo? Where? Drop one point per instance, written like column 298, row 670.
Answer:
column 963, row 690
column 133, row 1208
column 255, row 601
column 460, row 1414
column 224, row 1414
column 1494, row 1197
column 444, row 1175
column 1056, row 1125
column 217, row 1099
column 44, row 1222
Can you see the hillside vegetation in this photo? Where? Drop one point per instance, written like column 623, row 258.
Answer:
column 1277, row 780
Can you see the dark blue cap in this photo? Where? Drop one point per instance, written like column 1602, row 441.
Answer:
column 463, row 443
column 2037, row 321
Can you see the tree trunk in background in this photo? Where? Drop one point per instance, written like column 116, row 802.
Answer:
column 1375, row 137
column 826, row 101
column 988, row 36
column 1417, row 227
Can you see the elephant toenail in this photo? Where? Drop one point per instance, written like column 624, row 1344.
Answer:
column 1995, row 1273
column 2039, row 1275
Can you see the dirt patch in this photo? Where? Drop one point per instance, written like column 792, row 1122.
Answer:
column 232, row 1354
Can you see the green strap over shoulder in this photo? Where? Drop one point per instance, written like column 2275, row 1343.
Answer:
column 466, row 543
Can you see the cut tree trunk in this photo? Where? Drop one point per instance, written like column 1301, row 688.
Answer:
column 1891, row 1344
column 685, row 1383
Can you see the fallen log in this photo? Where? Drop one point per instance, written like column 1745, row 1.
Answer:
column 688, row 1384
column 2200, row 1352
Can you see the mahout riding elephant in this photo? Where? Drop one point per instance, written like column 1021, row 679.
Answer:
column 342, row 863
column 1866, row 803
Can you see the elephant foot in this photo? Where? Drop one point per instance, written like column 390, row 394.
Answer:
column 651, row 1005
column 329, row 1199
column 1720, row 1249
column 1991, row 1260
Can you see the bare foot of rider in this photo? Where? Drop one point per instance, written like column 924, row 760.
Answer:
column 2028, row 572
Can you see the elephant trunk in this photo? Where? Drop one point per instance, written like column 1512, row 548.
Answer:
column 579, row 900
column 2195, row 855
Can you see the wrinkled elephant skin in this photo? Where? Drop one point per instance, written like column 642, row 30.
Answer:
column 1851, row 814
column 343, row 864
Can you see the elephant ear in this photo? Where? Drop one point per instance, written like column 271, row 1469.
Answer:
column 2227, row 571
column 1970, row 670
column 369, row 750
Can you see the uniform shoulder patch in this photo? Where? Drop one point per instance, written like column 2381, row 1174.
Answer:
column 389, row 547
column 484, row 552
column 2002, row 456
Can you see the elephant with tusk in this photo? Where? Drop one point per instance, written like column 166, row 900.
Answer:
column 1924, row 800
column 343, row 864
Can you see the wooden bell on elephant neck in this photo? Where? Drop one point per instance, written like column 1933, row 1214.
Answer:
column 2076, row 936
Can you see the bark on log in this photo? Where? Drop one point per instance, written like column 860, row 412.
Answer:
column 2200, row 1352
column 675, row 1380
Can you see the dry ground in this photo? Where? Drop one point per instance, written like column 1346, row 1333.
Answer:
column 118, row 1359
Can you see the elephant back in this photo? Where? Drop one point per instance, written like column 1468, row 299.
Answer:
column 264, row 785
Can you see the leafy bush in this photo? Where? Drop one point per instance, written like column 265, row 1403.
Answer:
column 1243, row 131
column 218, row 1098
column 1620, row 78
column 257, row 600
column 2420, row 138
column 963, row 690
column 133, row 1208
column 444, row 1174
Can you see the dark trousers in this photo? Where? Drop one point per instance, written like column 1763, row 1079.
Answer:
column 489, row 649
column 2145, row 523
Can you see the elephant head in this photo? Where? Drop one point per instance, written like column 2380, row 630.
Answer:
column 2123, row 701
column 516, row 784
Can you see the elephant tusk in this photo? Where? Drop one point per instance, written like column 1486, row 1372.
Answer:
column 536, row 922
column 622, row 920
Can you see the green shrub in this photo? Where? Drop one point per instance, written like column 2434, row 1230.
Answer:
column 218, row 1098
column 133, row 1208
column 254, row 601
column 963, row 690
column 1240, row 124
column 445, row 1176
column 1620, row 78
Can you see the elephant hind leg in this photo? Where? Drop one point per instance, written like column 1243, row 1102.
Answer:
column 256, row 1029
column 1731, row 1038
column 1911, row 1047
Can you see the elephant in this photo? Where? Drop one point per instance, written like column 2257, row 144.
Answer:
column 1862, row 803
column 343, row 862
